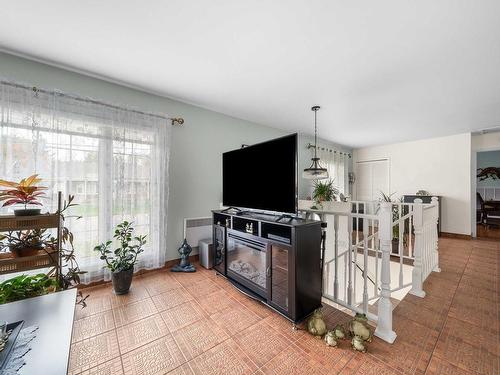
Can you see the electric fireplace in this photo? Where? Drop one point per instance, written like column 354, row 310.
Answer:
column 247, row 261
column 278, row 263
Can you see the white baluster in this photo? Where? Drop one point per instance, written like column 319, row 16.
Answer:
column 417, row 276
column 366, row 225
column 435, row 202
column 384, row 325
column 401, row 226
column 336, row 255
column 410, row 235
column 349, row 243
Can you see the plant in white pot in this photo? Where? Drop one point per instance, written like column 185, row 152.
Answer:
column 121, row 261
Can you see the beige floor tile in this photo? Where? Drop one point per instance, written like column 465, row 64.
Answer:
column 199, row 337
column 226, row 358
column 183, row 315
column 156, row 358
column 171, row 298
column 134, row 311
column 93, row 325
column 144, row 331
column 93, row 352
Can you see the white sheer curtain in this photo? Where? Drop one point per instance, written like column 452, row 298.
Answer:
column 114, row 160
column 336, row 162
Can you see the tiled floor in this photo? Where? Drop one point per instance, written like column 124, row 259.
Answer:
column 489, row 232
column 199, row 324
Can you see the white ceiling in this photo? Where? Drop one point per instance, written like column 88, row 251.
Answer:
column 383, row 71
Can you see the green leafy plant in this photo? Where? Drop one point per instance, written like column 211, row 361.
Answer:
column 125, row 255
column 324, row 191
column 24, row 286
column 70, row 270
column 23, row 192
column 23, row 239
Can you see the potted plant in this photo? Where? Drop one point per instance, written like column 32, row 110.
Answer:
column 324, row 192
column 26, row 286
column 395, row 216
column 24, row 242
column 24, row 192
column 121, row 261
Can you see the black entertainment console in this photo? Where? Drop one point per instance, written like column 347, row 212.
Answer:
column 278, row 263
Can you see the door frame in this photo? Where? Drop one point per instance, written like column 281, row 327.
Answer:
column 473, row 172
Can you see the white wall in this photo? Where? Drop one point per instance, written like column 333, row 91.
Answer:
column 439, row 165
column 486, row 142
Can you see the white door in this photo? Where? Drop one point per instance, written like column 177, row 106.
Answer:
column 372, row 178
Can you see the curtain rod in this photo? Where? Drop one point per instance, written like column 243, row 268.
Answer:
column 174, row 120
column 310, row 145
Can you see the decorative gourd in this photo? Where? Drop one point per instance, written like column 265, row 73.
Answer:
column 330, row 338
column 316, row 325
column 359, row 327
column 358, row 344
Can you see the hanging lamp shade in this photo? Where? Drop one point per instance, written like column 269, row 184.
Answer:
column 315, row 171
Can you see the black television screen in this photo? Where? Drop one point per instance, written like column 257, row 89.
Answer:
column 262, row 176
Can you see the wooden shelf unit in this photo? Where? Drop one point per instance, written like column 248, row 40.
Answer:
column 49, row 258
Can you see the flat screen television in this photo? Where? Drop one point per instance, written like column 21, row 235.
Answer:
column 262, row 176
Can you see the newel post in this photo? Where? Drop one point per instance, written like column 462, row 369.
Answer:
column 435, row 203
column 417, row 277
column 384, row 325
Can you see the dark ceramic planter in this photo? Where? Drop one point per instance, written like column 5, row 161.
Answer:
column 27, row 212
column 122, row 280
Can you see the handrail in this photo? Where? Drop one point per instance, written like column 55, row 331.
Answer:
column 403, row 231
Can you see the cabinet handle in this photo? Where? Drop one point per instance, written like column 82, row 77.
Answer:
column 268, row 271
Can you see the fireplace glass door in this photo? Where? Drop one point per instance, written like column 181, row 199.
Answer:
column 246, row 262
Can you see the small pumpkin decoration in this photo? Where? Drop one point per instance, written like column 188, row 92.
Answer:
column 330, row 338
column 359, row 327
column 316, row 325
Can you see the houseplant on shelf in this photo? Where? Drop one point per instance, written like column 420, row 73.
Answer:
column 25, row 192
column 24, row 242
column 30, row 240
column 121, row 261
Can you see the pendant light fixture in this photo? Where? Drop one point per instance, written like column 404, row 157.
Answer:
column 315, row 171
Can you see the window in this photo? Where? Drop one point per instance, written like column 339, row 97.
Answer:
column 114, row 161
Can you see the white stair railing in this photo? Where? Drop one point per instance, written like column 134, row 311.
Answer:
column 426, row 244
column 364, row 240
